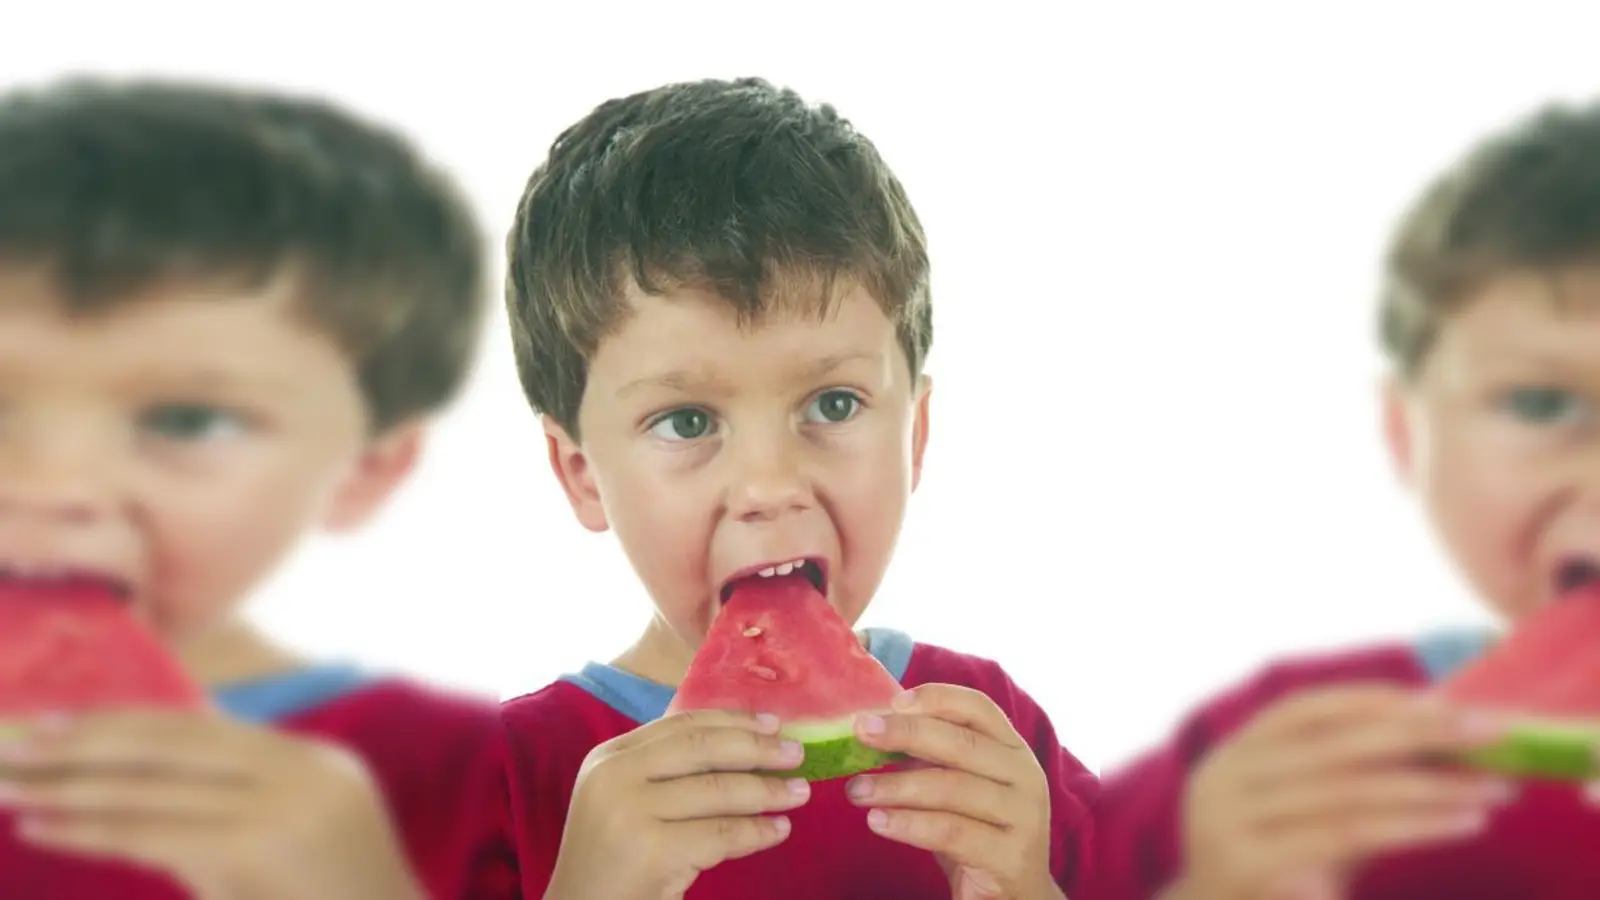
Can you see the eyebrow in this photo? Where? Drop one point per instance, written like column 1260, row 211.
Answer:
column 218, row 379
column 685, row 381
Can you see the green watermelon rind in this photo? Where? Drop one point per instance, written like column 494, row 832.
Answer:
column 1544, row 749
column 833, row 751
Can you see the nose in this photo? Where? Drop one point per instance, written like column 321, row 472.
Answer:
column 769, row 481
column 65, row 481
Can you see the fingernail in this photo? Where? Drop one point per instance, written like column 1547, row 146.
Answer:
column 860, row 788
column 1499, row 792
column 768, row 722
column 904, row 700
column 1481, row 726
column 1470, row 823
column 782, row 824
column 799, row 787
column 792, row 751
column 872, row 724
column 877, row 820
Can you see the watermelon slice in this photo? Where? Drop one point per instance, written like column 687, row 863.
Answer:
column 76, row 647
column 1545, row 676
column 777, row 646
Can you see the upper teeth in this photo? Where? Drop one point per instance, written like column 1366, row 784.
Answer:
column 783, row 569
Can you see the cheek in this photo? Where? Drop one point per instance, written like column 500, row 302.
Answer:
column 662, row 522
column 205, row 556
column 868, row 490
column 1486, row 494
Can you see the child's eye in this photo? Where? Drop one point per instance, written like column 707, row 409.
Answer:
column 1544, row 406
column 832, row 407
column 190, row 423
column 688, row 424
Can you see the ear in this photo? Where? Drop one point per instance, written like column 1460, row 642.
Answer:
column 384, row 464
column 1398, row 430
column 919, row 429
column 572, row 469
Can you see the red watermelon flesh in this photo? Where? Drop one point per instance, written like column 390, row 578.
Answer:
column 778, row 646
column 76, row 647
column 1544, row 675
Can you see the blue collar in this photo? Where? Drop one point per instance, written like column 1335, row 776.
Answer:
column 274, row 697
column 1442, row 653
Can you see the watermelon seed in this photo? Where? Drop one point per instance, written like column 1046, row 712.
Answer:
column 752, row 631
column 764, row 673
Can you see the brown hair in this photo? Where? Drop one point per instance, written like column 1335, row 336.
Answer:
column 731, row 186
column 117, row 187
column 1526, row 198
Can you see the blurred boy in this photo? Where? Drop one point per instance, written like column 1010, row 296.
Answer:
column 720, row 307
column 1307, row 780
column 226, row 319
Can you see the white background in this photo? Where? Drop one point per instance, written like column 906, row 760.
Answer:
column 1155, row 230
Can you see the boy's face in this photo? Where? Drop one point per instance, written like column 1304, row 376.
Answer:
column 714, row 450
column 1500, row 436
column 176, row 445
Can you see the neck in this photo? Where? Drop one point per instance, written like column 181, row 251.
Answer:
column 658, row 655
column 233, row 652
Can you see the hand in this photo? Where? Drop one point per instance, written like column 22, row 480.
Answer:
column 654, row 808
column 229, row 810
column 1324, row 780
column 979, row 802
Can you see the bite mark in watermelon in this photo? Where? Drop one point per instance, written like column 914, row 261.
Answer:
column 777, row 646
column 1544, row 677
column 75, row 647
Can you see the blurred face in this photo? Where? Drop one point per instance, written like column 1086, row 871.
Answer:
column 715, row 452
column 175, row 448
column 1500, row 436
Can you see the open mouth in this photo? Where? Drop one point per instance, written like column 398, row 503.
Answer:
column 1577, row 574
column 813, row 569
column 46, row 581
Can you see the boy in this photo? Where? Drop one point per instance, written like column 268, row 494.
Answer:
column 226, row 318
column 719, row 300
column 1305, row 777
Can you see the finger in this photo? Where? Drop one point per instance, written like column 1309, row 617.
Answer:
column 946, row 744
column 713, row 795
column 1382, row 792
column 691, row 751
column 947, row 790
column 1400, row 736
column 759, row 723
column 1356, row 837
column 964, row 841
column 128, row 796
column 200, row 745
column 1321, row 708
column 713, row 841
column 961, row 706
column 163, row 847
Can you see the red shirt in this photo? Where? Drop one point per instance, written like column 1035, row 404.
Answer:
column 1545, row 846
column 830, row 854
column 434, row 755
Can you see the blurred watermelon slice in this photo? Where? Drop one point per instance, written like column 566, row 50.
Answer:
column 73, row 648
column 1544, row 675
